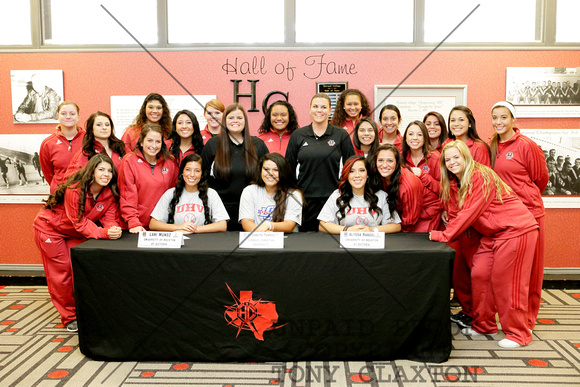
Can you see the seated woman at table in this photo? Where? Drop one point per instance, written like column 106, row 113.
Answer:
column 99, row 138
column 366, row 138
column 354, row 206
column 273, row 202
column 146, row 173
column 69, row 217
column 502, row 263
column 185, row 136
column 190, row 207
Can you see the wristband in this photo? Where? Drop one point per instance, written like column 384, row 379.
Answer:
column 271, row 226
column 345, row 228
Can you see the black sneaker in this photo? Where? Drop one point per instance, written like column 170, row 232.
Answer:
column 461, row 319
column 72, row 326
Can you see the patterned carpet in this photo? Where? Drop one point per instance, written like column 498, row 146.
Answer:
column 36, row 350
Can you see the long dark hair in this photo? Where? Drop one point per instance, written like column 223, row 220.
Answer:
column 471, row 131
column 339, row 117
column 356, row 141
column 443, row 135
column 292, row 118
column 196, row 139
column 425, row 149
column 115, row 144
column 164, row 122
column 376, row 179
column 223, row 155
column 163, row 152
column 202, row 187
column 345, row 189
column 82, row 179
column 286, row 184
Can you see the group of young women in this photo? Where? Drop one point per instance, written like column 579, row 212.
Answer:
column 344, row 174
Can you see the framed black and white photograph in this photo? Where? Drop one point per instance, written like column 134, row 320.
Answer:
column 544, row 91
column 561, row 149
column 36, row 95
column 22, row 179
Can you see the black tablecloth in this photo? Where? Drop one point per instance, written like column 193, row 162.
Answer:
column 212, row 301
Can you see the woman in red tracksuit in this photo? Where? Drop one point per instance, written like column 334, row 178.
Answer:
column 99, row 138
column 519, row 161
column 502, row 264
column 146, row 173
column 424, row 163
column 57, row 150
column 67, row 219
column 404, row 189
column 462, row 127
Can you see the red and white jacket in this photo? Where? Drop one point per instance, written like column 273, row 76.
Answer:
column 63, row 219
column 56, row 153
column 142, row 187
column 410, row 200
column 80, row 159
column 478, row 150
column 274, row 142
column 521, row 164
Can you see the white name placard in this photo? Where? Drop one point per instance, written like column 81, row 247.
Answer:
column 261, row 240
column 160, row 240
column 362, row 240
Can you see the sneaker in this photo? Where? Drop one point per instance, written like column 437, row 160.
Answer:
column 471, row 332
column 72, row 326
column 461, row 319
column 507, row 343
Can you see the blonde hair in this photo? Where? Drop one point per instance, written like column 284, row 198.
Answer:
column 491, row 180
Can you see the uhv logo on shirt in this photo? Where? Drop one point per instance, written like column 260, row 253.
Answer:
column 265, row 213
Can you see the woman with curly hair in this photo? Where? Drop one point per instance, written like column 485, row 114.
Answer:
column 354, row 206
column 190, row 207
column 154, row 110
column 99, row 138
column 279, row 123
column 351, row 105
column 502, row 263
column 185, row 136
column 69, row 217
column 273, row 202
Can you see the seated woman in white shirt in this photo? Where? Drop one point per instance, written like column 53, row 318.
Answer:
column 190, row 207
column 354, row 206
column 273, row 202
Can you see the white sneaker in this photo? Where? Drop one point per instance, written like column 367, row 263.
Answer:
column 471, row 332
column 507, row 343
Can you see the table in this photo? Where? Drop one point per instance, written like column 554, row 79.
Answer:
column 212, row 301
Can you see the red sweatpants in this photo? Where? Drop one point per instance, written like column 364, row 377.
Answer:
column 55, row 252
column 465, row 247
column 537, row 278
column 500, row 278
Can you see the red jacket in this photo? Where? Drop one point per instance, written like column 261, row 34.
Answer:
column 141, row 187
column 521, row 164
column 80, row 159
column 131, row 136
column 182, row 154
column 63, row 219
column 410, row 200
column 274, row 142
column 478, row 151
column 398, row 141
column 206, row 135
column 486, row 214
column 56, row 152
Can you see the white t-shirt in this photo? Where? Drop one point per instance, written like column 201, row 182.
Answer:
column 190, row 208
column 359, row 213
column 256, row 204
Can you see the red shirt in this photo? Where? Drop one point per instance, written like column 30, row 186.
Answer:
column 56, row 152
column 63, row 219
column 521, row 164
column 486, row 214
column 410, row 200
column 398, row 141
column 131, row 136
column 141, row 187
column 478, row 150
column 80, row 159
column 206, row 134
column 275, row 142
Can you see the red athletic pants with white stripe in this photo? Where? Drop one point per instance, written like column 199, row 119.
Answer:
column 500, row 278
column 55, row 252
column 465, row 247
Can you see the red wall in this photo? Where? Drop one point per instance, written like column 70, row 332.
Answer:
column 91, row 78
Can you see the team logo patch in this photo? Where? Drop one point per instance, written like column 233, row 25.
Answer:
column 164, row 170
column 509, row 155
column 251, row 315
column 58, row 142
column 265, row 212
column 100, row 207
column 331, row 143
column 426, row 169
column 190, row 217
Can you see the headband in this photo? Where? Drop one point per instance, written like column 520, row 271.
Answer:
column 506, row 105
